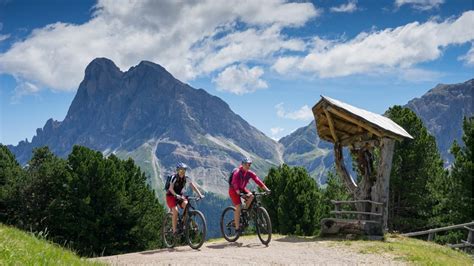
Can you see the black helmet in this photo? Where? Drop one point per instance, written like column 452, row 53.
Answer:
column 181, row 165
column 246, row 160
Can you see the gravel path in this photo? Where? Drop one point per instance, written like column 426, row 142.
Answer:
column 283, row 250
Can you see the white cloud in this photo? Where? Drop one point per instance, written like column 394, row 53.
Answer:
column 276, row 130
column 240, row 79
column 23, row 88
column 189, row 38
column 381, row 51
column 469, row 57
column 303, row 114
column 275, row 133
column 350, row 7
column 419, row 75
column 4, row 37
column 422, row 5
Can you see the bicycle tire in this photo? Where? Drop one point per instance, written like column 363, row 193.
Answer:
column 263, row 225
column 169, row 239
column 193, row 230
column 228, row 226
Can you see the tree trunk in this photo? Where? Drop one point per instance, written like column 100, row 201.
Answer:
column 381, row 190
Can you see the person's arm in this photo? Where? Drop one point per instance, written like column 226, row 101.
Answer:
column 195, row 188
column 258, row 181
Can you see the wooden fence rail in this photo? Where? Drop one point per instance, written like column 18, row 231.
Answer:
column 432, row 232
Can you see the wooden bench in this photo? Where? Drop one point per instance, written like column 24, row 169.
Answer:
column 366, row 223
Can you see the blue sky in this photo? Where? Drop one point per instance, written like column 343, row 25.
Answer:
column 269, row 60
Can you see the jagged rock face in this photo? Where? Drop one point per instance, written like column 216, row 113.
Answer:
column 147, row 114
column 442, row 110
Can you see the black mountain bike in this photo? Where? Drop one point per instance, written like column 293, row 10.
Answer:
column 256, row 216
column 191, row 225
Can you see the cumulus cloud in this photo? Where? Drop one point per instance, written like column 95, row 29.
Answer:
column 349, row 7
column 240, row 79
column 422, row 5
column 4, row 37
column 275, row 133
column 469, row 57
column 276, row 130
column 189, row 38
column 384, row 50
column 23, row 88
column 303, row 114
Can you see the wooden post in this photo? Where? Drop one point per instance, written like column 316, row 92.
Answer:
column 336, row 205
column 380, row 192
column 431, row 236
column 470, row 235
column 342, row 171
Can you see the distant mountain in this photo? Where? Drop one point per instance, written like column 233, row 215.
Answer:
column 303, row 147
column 442, row 110
column 147, row 114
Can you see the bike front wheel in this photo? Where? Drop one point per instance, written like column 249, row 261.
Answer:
column 227, row 224
column 263, row 225
column 196, row 229
column 167, row 231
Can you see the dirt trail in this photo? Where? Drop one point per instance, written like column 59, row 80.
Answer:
column 283, row 250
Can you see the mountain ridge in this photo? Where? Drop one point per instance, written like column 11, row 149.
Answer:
column 147, row 114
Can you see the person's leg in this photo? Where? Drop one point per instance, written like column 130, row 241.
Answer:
column 236, row 201
column 237, row 217
column 248, row 201
column 171, row 202
column 183, row 206
column 174, row 211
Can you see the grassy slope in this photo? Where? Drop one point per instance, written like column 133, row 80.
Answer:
column 411, row 250
column 21, row 248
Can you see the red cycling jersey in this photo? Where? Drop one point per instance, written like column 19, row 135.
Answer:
column 239, row 184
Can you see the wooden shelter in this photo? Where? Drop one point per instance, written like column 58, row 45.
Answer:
column 363, row 132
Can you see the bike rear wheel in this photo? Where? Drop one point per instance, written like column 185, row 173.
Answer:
column 227, row 224
column 167, row 231
column 263, row 225
column 196, row 229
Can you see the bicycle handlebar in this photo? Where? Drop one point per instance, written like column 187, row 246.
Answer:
column 256, row 193
column 194, row 198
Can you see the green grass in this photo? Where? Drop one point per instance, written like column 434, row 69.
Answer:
column 411, row 250
column 22, row 248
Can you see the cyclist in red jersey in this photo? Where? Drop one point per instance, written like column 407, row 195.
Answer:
column 237, row 184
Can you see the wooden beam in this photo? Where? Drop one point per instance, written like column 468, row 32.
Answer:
column 331, row 126
column 438, row 229
column 355, row 212
column 355, row 201
column 353, row 120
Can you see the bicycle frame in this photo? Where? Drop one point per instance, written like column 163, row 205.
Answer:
column 182, row 216
column 253, row 206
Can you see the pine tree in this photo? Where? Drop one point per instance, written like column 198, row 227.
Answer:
column 11, row 178
column 292, row 204
column 453, row 194
column 415, row 163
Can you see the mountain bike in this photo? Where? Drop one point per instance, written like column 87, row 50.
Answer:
column 256, row 215
column 191, row 226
